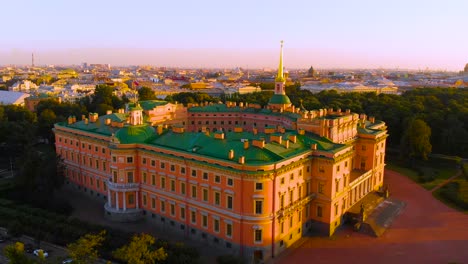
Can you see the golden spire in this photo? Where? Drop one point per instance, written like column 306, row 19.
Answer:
column 280, row 76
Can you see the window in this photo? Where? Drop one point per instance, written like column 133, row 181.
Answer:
column 172, row 209
column 97, row 163
column 144, row 177
column 172, row 185
column 172, row 167
column 282, row 180
column 258, row 207
column 321, row 169
column 338, row 168
column 98, row 184
column 229, row 230
column 337, row 185
column 229, row 201
column 130, row 176
column 205, row 221
column 320, row 187
column 131, row 198
column 230, row 182
column 205, row 195
column 182, row 188
column 217, row 198
column 193, row 217
column 96, row 149
column 153, row 163
column 258, row 235
column 205, row 176
column 364, row 147
column 144, row 200
column 129, row 159
column 336, row 209
column 104, row 166
column 363, row 165
column 291, row 196
column 163, row 182
column 182, row 170
column 291, row 220
column 153, row 203
column 291, row 177
column 194, row 173
column 281, row 200
column 217, row 178
column 163, row 206
column 194, row 191
column 216, row 225
column 115, row 176
column 308, row 169
column 143, row 161
column 182, row 213
column 153, row 179
column 319, row 211
column 346, row 164
column 163, row 165
column 259, row 186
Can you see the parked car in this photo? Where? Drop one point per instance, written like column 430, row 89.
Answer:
column 67, row 261
column 36, row 252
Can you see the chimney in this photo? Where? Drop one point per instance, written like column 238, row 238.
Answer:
column 313, row 146
column 293, row 138
column 86, row 121
column 93, row 117
column 238, row 129
column 301, row 131
column 258, row 143
column 231, row 154
column 348, row 111
column 255, row 131
column 338, row 110
column 108, row 121
column 159, row 129
column 286, row 144
column 276, row 138
column 70, row 120
column 372, row 119
column 83, row 117
column 74, row 119
column 108, row 112
column 241, row 160
column 246, row 144
column 219, row 135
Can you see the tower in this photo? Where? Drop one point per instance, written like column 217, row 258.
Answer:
column 32, row 60
column 280, row 101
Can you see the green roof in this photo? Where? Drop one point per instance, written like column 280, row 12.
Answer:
column 151, row 104
column 135, row 134
column 279, row 99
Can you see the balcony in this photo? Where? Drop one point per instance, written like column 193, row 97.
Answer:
column 114, row 186
column 120, row 215
column 358, row 176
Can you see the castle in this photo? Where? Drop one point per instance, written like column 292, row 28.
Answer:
column 249, row 179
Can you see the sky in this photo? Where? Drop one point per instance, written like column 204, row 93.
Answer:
column 404, row 34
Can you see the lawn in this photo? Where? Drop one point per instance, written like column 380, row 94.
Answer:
column 434, row 172
column 462, row 194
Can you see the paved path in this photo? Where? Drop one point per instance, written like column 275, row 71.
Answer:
column 427, row 231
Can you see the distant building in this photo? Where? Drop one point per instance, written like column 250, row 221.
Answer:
column 12, row 98
column 32, row 101
column 466, row 68
column 251, row 180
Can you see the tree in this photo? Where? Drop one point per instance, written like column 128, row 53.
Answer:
column 15, row 254
column 416, row 139
column 85, row 249
column 140, row 250
column 145, row 93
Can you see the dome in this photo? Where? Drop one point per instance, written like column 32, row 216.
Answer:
column 279, row 99
column 135, row 134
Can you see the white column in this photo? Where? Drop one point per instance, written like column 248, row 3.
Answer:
column 108, row 198
column 117, row 200
column 125, row 201
column 136, row 199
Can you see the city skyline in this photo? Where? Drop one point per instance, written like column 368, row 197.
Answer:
column 207, row 34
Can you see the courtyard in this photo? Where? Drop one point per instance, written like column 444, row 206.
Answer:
column 427, row 231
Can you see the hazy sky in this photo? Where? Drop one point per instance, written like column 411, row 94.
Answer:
column 246, row 33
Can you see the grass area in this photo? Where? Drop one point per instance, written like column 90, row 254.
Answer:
column 428, row 174
column 461, row 193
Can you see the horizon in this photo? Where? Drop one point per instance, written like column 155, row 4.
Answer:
column 419, row 35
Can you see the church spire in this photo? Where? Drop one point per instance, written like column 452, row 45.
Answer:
column 280, row 76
